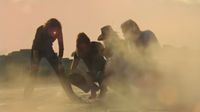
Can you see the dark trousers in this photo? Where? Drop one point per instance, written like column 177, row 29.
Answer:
column 54, row 61
column 95, row 72
column 79, row 81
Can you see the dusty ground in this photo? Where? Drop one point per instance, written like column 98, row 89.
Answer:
column 52, row 98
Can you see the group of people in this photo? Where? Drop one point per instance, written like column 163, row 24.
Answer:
column 94, row 63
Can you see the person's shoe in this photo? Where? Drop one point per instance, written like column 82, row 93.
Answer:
column 93, row 95
column 94, row 90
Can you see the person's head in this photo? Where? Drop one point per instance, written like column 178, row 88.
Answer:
column 131, row 30
column 82, row 43
column 53, row 27
column 107, row 34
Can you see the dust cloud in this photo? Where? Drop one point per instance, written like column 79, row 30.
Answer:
column 158, row 79
column 161, row 80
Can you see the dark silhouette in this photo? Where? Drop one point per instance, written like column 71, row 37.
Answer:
column 110, row 39
column 88, row 65
column 15, row 66
column 141, row 39
column 113, row 45
column 42, row 48
column 145, row 44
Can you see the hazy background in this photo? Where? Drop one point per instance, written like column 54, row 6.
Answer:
column 175, row 22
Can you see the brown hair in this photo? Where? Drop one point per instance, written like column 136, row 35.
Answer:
column 82, row 38
column 53, row 22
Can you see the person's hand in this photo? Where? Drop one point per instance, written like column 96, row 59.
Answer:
column 60, row 66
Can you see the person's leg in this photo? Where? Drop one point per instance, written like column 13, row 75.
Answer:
column 54, row 61
column 94, row 90
column 79, row 81
column 106, row 77
column 103, row 87
column 35, row 60
column 83, row 70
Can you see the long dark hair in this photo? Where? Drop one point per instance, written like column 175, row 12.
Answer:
column 53, row 22
column 82, row 38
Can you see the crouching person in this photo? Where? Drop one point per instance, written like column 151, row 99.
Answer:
column 88, row 65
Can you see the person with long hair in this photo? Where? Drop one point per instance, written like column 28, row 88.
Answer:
column 42, row 47
column 88, row 65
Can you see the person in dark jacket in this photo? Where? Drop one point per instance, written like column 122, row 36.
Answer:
column 114, row 50
column 142, row 40
column 88, row 65
column 43, row 48
column 111, row 41
column 145, row 45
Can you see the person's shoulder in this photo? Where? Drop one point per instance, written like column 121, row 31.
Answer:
column 148, row 32
column 149, row 35
column 40, row 28
column 96, row 47
column 96, row 44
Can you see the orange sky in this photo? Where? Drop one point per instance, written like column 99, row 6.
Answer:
column 175, row 22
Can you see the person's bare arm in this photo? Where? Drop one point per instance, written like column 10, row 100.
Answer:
column 60, row 44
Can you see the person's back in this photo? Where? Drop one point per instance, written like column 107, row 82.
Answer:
column 96, row 48
column 42, row 41
column 137, row 39
column 147, row 39
column 94, row 58
column 97, row 59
